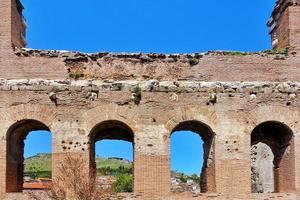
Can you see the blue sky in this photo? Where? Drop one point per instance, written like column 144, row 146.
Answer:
column 148, row 25
column 164, row 26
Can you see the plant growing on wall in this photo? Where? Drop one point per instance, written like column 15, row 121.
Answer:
column 193, row 61
column 136, row 95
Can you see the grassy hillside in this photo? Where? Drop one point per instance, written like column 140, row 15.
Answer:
column 40, row 166
column 39, row 162
column 112, row 163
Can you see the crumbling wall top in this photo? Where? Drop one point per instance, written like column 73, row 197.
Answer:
column 280, row 7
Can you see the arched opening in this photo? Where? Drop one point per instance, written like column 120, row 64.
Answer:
column 112, row 163
column 20, row 172
column 272, row 158
column 204, row 181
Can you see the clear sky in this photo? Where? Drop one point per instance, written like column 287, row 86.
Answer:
column 166, row 26
column 148, row 25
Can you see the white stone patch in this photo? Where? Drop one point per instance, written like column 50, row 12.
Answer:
column 291, row 88
column 150, row 139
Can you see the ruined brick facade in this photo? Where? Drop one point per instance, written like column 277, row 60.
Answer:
column 232, row 100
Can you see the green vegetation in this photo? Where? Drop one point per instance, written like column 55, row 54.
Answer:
column 113, row 171
column 123, row 183
column 137, row 95
column 193, row 61
column 112, row 163
column 75, row 75
column 120, row 169
column 38, row 166
column 113, row 167
column 235, row 53
column 277, row 52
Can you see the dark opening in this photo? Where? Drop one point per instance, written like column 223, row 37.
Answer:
column 272, row 158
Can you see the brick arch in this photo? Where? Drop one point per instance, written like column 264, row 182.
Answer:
column 280, row 114
column 108, row 129
column 276, row 127
column 207, row 183
column 203, row 115
column 16, row 122
column 110, row 112
column 15, row 136
column 44, row 114
column 203, row 122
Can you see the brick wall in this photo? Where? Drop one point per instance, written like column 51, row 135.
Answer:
column 251, row 88
column 232, row 119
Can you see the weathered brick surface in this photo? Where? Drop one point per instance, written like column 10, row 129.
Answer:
column 222, row 96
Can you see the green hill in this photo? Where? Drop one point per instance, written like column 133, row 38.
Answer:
column 39, row 162
column 39, row 166
column 112, row 163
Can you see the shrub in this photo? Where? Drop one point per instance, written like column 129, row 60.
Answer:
column 193, row 61
column 114, row 172
column 195, row 178
column 124, row 183
column 277, row 52
column 136, row 95
column 75, row 75
column 38, row 174
column 183, row 178
column 235, row 53
column 71, row 183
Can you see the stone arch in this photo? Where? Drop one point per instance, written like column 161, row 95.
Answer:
column 207, row 183
column 110, row 112
column 273, row 113
column 15, row 137
column 279, row 137
column 109, row 129
column 188, row 113
column 13, row 114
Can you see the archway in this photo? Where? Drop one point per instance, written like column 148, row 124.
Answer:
column 272, row 158
column 112, row 131
column 15, row 138
column 207, row 175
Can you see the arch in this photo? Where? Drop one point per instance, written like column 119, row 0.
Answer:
column 279, row 138
column 15, row 137
column 110, row 113
column 108, row 129
column 111, row 130
column 207, row 182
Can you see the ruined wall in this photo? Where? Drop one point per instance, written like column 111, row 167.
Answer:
column 230, row 93
column 240, row 107
column 284, row 24
column 211, row 66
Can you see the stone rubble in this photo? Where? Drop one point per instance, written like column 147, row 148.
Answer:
column 290, row 88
